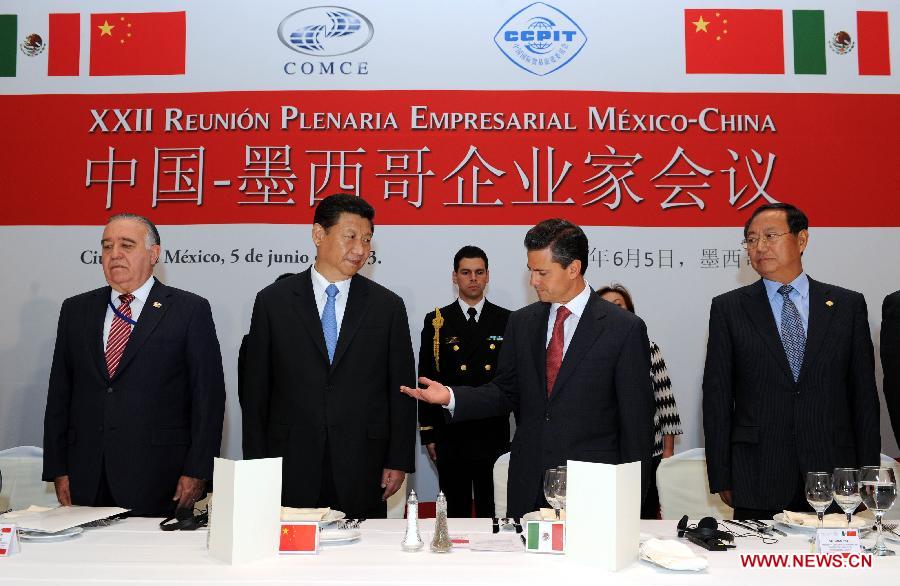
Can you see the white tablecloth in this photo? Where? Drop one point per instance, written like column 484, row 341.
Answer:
column 135, row 551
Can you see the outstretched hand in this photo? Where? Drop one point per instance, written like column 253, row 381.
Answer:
column 434, row 392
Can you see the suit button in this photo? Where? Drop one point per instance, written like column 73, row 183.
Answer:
column 493, row 346
column 100, row 428
column 546, row 416
column 329, row 388
column 109, row 390
column 462, row 367
column 455, row 348
column 487, row 367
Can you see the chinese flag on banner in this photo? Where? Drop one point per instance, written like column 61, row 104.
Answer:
column 733, row 41
column 298, row 537
column 138, row 43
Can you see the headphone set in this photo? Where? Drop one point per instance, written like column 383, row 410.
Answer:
column 706, row 534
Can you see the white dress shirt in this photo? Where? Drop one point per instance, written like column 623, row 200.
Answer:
column 576, row 305
column 465, row 308
column 137, row 305
column 319, row 284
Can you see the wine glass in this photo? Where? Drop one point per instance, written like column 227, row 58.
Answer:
column 846, row 490
column 561, row 487
column 819, row 494
column 551, row 485
column 878, row 489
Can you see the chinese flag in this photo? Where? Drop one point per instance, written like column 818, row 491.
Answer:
column 733, row 41
column 298, row 537
column 138, row 43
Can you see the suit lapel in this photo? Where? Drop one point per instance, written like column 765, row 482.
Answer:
column 94, row 319
column 156, row 305
column 538, row 331
column 759, row 311
column 819, row 320
column 590, row 326
column 357, row 306
column 306, row 309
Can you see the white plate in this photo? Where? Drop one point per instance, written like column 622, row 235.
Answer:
column 857, row 523
column 37, row 536
column 334, row 536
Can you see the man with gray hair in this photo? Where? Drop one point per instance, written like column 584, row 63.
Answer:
column 137, row 394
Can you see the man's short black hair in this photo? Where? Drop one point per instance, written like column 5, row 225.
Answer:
column 469, row 251
column 567, row 241
column 330, row 209
column 796, row 219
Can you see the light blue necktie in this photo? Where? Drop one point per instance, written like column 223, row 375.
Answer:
column 792, row 335
column 329, row 321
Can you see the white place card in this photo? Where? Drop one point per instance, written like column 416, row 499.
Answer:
column 603, row 513
column 838, row 541
column 245, row 519
column 9, row 540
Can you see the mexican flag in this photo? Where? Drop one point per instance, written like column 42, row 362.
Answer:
column 841, row 41
column 546, row 537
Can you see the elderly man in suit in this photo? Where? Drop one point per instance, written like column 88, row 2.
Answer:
column 137, row 393
column 326, row 349
column 890, row 357
column 789, row 382
column 574, row 368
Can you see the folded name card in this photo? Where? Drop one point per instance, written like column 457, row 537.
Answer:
column 545, row 537
column 9, row 540
column 838, row 541
column 299, row 537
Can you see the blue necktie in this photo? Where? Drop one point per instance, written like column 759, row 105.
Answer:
column 329, row 321
column 792, row 335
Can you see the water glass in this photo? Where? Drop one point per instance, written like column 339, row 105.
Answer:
column 845, row 482
column 819, row 494
column 551, row 488
column 878, row 490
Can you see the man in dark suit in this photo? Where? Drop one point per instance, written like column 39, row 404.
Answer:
column 789, row 383
column 137, row 394
column 573, row 367
column 326, row 347
column 460, row 345
column 890, row 357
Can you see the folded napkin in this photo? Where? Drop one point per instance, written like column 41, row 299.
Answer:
column 550, row 515
column 24, row 512
column 834, row 520
column 293, row 514
column 672, row 555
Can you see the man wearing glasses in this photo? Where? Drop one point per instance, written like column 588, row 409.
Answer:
column 789, row 382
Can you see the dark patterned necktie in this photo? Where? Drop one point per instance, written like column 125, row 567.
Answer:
column 119, row 332
column 792, row 335
column 555, row 348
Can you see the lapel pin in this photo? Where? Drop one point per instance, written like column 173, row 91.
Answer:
column 157, row 304
column 829, row 303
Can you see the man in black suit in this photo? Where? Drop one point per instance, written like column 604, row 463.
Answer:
column 326, row 347
column 137, row 394
column 890, row 357
column 460, row 345
column 573, row 367
column 789, row 383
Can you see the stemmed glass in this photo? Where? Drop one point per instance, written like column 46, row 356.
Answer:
column 846, row 490
column 819, row 494
column 561, row 473
column 878, row 489
column 551, row 488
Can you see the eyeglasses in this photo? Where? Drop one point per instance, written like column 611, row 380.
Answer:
column 753, row 241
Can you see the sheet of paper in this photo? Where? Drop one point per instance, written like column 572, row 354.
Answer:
column 495, row 542
column 60, row 518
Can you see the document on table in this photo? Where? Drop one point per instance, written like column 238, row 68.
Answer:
column 496, row 542
column 60, row 518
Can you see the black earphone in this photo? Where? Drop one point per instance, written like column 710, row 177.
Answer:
column 706, row 534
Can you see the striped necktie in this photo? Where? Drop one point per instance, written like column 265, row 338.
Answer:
column 119, row 333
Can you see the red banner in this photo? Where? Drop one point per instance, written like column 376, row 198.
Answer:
column 451, row 157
